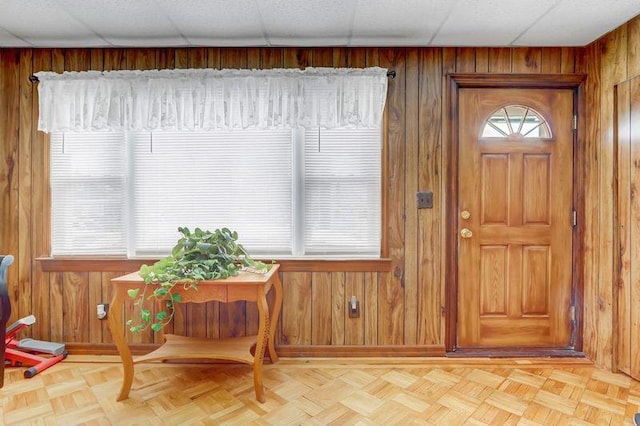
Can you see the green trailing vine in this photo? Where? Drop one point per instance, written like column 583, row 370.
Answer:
column 198, row 256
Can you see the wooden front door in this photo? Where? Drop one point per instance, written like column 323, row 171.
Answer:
column 515, row 218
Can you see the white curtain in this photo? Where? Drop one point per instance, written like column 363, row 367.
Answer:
column 206, row 99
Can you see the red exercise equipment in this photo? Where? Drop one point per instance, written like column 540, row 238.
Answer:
column 25, row 351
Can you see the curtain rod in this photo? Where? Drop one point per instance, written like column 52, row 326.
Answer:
column 391, row 74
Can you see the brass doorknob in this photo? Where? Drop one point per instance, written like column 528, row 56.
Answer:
column 466, row 233
column 465, row 214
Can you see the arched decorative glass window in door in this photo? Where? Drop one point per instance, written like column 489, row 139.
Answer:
column 516, row 121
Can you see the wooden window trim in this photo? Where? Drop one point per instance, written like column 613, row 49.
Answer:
column 77, row 264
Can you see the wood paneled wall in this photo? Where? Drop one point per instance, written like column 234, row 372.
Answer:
column 402, row 310
column 620, row 124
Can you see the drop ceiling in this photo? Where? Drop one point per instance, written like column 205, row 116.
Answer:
column 168, row 23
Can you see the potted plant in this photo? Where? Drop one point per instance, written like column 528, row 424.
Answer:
column 198, row 256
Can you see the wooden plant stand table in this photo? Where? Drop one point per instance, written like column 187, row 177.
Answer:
column 251, row 287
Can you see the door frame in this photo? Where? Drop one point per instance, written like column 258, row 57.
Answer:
column 455, row 82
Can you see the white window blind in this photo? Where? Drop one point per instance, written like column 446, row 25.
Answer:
column 342, row 192
column 88, row 193
column 235, row 179
column 302, row 193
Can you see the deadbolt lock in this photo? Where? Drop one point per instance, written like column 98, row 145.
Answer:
column 466, row 233
column 465, row 214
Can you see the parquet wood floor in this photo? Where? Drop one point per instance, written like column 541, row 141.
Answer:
column 312, row 391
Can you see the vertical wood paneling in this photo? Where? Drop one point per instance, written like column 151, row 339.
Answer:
column 465, row 59
column 296, row 58
column 75, row 309
column 56, row 310
column 633, row 40
column 337, row 308
column 614, row 50
column 634, row 224
column 25, row 172
column 482, row 59
column 429, row 179
column 354, row 327
column 322, row 57
column 10, row 169
column 412, row 171
column 321, row 312
column 499, row 60
column 623, row 295
column 391, row 285
column 94, row 290
column 56, row 306
column 398, row 308
column 370, row 310
column 296, row 309
column 551, row 60
column 40, row 215
column 526, row 60
column 568, row 60
column 590, row 240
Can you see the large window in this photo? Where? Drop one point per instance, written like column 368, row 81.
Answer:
column 288, row 193
column 288, row 158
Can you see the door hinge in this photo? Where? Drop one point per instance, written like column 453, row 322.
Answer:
column 575, row 122
column 575, row 218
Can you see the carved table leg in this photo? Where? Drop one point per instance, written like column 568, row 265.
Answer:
column 275, row 315
column 263, row 313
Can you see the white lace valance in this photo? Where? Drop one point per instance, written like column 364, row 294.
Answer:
column 207, row 99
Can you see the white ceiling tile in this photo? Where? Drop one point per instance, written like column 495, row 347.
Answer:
column 44, row 23
column 217, row 22
column 151, row 23
column 489, row 22
column 390, row 23
column 9, row 40
column 589, row 20
column 126, row 22
column 307, row 23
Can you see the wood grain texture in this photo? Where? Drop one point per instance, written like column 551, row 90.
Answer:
column 354, row 327
column 429, row 294
column 377, row 391
column 634, row 227
column 414, row 160
column 500, row 60
column 526, row 60
column 296, row 309
column 590, row 216
column 633, row 47
column 338, row 308
column 614, row 50
column 551, row 60
column 622, row 289
column 412, row 172
column 321, row 310
column 10, row 174
column 25, row 174
column 391, row 285
column 41, row 61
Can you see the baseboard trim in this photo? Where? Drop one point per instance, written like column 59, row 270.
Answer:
column 293, row 351
column 300, row 351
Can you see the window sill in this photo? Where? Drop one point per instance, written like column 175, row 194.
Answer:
column 82, row 264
